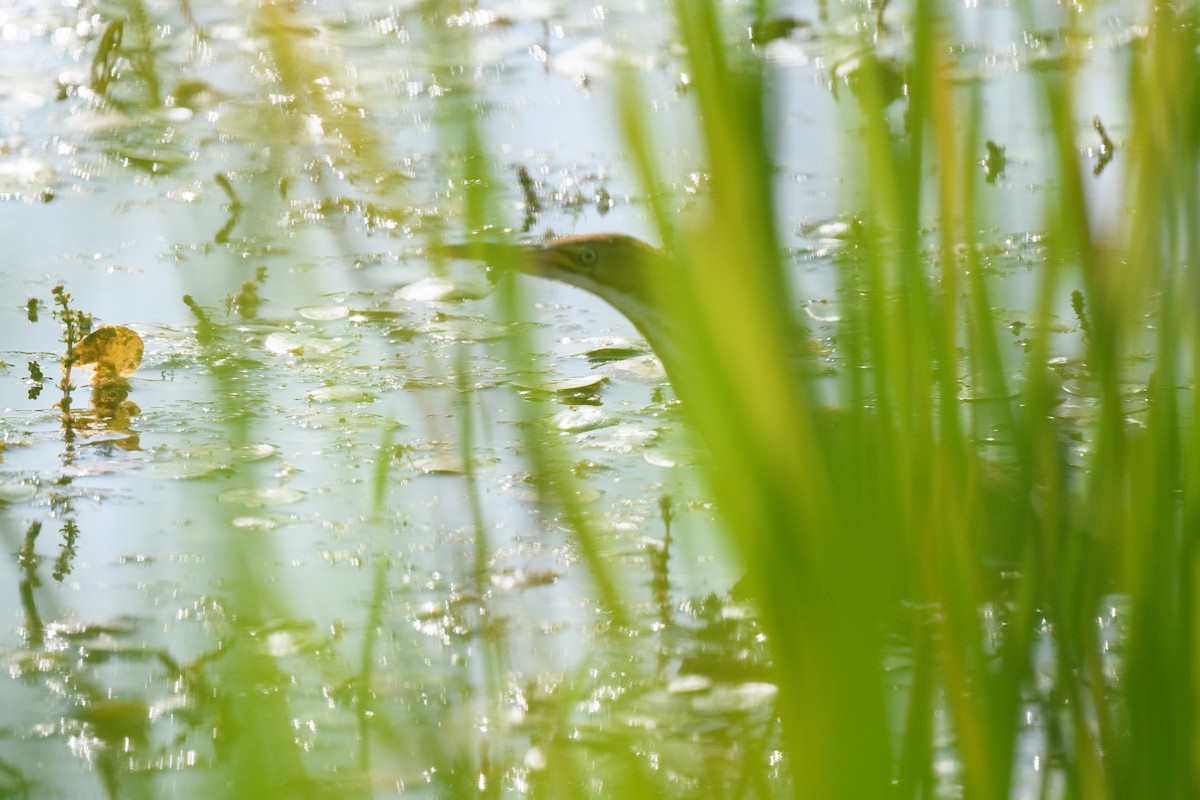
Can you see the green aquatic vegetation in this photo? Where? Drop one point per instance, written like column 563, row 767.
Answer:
column 76, row 324
column 951, row 464
column 835, row 532
column 112, row 352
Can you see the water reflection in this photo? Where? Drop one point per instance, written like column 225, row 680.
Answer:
column 323, row 553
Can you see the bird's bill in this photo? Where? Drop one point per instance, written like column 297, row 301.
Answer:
column 532, row 259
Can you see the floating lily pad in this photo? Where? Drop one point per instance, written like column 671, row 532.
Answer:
column 446, row 463
column 198, row 462
column 607, row 355
column 612, row 348
column 642, row 369
column 113, row 346
column 656, row 458
column 261, row 496
column 342, row 393
column 17, row 492
column 249, row 453
column 324, row 313
column 464, row 329
column 252, row 523
column 440, row 464
column 576, row 385
column 618, row 438
column 439, row 289
column 581, row 418
column 571, row 385
column 188, row 469
column 295, row 344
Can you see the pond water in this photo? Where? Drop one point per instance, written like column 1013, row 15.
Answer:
column 318, row 541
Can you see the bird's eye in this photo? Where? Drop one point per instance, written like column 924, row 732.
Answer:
column 586, row 256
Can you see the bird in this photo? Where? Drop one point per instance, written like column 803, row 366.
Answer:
column 618, row 268
column 632, row 276
column 849, row 547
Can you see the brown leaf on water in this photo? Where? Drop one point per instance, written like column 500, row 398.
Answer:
column 112, row 348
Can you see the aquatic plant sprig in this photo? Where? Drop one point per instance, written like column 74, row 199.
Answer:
column 76, row 325
column 112, row 351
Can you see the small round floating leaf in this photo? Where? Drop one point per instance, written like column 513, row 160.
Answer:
column 581, row 418
column 576, row 385
column 16, row 492
column 200, row 462
column 342, row 393
column 113, row 345
column 569, row 385
column 252, row 452
column 324, row 313
column 437, row 289
column 285, row 343
column 618, row 438
column 439, row 464
column 261, row 496
column 657, row 459
column 639, row 369
column 250, row 523
column 463, row 329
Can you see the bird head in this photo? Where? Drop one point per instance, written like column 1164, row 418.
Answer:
column 623, row 271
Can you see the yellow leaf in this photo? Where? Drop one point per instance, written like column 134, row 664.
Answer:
column 113, row 346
